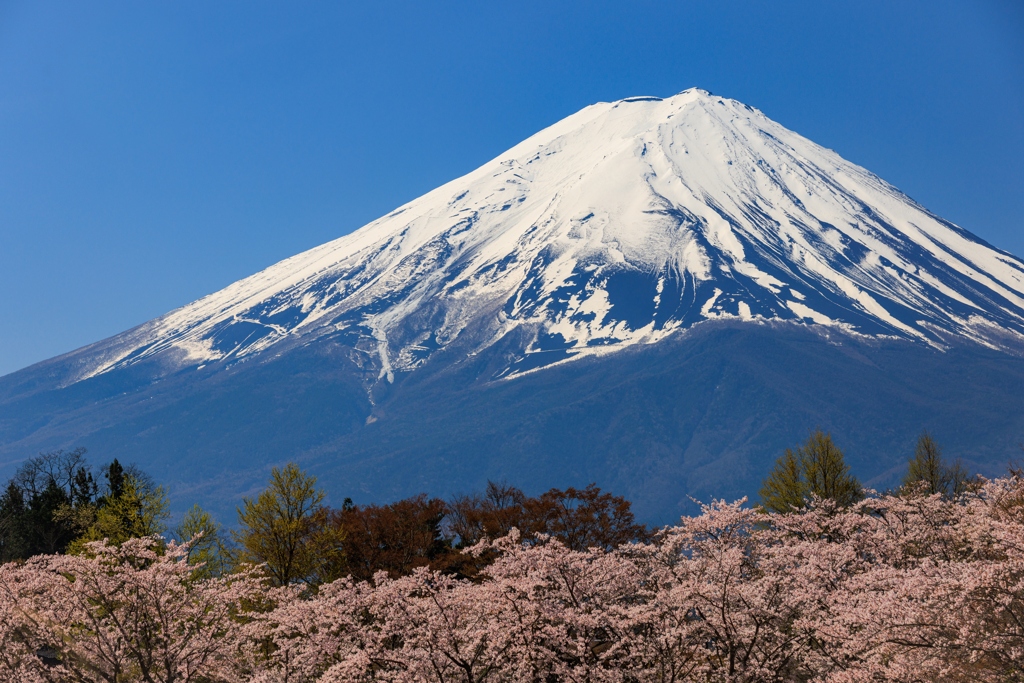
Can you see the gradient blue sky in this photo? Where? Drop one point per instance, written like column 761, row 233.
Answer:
column 153, row 152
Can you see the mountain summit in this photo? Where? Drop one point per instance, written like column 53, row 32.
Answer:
column 619, row 225
column 657, row 295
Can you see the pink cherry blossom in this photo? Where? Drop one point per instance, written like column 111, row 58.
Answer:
column 895, row 588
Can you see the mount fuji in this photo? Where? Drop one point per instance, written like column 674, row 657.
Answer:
column 654, row 294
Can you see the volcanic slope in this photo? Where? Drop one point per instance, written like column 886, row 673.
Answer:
column 625, row 229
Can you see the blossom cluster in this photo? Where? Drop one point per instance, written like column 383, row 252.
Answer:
column 893, row 588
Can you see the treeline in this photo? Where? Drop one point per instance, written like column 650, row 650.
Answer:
column 54, row 505
column 818, row 469
column 823, row 581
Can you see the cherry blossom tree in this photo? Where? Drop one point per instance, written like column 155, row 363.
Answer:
column 906, row 587
column 124, row 613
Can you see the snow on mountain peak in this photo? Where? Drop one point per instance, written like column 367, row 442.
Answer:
column 621, row 224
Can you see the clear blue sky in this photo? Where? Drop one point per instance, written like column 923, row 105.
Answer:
column 153, row 152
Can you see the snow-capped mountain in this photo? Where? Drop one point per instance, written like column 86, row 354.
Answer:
column 617, row 226
column 656, row 295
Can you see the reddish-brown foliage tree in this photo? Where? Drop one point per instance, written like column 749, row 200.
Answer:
column 579, row 518
column 395, row 538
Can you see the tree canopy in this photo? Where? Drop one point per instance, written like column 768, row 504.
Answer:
column 817, row 468
column 928, row 473
column 287, row 528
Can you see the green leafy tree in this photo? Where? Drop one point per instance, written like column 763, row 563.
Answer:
column 131, row 507
column 207, row 549
column 928, row 473
column 287, row 528
column 817, row 468
column 826, row 471
column 785, row 488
